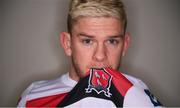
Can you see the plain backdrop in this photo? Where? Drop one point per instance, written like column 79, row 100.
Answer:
column 30, row 50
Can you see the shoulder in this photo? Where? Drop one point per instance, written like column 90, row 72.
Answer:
column 45, row 88
column 139, row 95
column 136, row 81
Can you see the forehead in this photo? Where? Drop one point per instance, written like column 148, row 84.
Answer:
column 98, row 25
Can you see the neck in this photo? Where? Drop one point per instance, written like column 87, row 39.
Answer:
column 73, row 74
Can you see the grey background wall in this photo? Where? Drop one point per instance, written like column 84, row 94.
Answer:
column 30, row 51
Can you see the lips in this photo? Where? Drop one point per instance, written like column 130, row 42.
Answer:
column 99, row 66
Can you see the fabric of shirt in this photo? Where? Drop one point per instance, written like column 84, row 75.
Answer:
column 100, row 88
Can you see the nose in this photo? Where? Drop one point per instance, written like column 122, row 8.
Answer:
column 100, row 53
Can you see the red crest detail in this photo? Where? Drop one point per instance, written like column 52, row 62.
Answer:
column 99, row 81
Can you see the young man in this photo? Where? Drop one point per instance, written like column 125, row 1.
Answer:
column 96, row 41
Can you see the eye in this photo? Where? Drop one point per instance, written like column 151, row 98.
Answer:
column 87, row 41
column 113, row 41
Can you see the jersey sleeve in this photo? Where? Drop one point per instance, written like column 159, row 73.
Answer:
column 23, row 98
column 46, row 93
column 139, row 95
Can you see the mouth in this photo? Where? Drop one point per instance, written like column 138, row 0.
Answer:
column 99, row 67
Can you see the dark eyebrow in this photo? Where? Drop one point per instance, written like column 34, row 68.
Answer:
column 85, row 35
column 91, row 36
column 117, row 36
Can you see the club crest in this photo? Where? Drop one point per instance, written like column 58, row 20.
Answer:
column 99, row 81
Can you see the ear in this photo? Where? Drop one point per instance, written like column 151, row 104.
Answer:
column 126, row 43
column 65, row 41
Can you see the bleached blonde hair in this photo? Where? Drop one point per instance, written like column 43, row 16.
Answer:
column 96, row 8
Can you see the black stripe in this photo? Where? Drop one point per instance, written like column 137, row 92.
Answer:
column 79, row 92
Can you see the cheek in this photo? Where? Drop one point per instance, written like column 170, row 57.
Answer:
column 81, row 55
column 114, row 56
column 81, row 52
